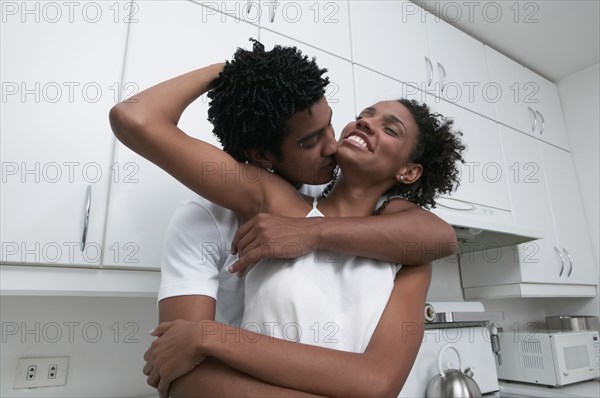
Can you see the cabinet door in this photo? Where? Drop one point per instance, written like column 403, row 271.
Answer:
column 390, row 37
column 323, row 24
column 517, row 92
column 61, row 70
column 549, row 115
column 339, row 92
column 483, row 180
column 528, row 102
column 167, row 41
column 539, row 260
column 461, row 69
column 372, row 87
column 569, row 219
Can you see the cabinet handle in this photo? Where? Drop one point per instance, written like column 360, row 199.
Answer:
column 562, row 261
column 543, row 122
column 86, row 216
column 443, row 74
column 273, row 11
column 429, row 71
column 570, row 261
column 533, row 119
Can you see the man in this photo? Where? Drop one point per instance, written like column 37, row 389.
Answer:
column 256, row 103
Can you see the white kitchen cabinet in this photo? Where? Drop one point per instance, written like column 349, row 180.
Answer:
column 425, row 52
column 372, row 87
column 323, row 24
column 339, row 92
column 542, row 182
column 569, row 218
column 527, row 102
column 61, row 73
column 460, row 69
column 482, row 179
column 390, row 37
column 166, row 42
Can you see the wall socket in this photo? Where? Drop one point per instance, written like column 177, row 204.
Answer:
column 41, row 372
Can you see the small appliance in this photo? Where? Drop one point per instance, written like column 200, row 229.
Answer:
column 466, row 327
column 549, row 358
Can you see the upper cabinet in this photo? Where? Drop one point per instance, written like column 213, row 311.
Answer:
column 143, row 196
column 459, row 65
column 526, row 101
column 482, row 178
column 391, row 38
column 61, row 73
column 424, row 52
column 321, row 24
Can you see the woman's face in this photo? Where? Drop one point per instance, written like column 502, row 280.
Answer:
column 379, row 142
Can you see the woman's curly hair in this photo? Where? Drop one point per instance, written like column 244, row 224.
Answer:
column 438, row 149
column 257, row 92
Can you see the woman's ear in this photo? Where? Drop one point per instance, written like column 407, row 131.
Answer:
column 258, row 158
column 409, row 173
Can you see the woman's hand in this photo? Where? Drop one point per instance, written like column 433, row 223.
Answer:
column 173, row 354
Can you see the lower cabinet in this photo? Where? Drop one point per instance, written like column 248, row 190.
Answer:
column 545, row 195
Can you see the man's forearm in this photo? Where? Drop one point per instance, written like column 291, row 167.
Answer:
column 409, row 237
column 212, row 378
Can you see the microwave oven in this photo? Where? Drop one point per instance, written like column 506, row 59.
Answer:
column 549, row 358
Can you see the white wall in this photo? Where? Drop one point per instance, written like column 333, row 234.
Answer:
column 104, row 338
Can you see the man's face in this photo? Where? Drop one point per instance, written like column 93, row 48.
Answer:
column 309, row 148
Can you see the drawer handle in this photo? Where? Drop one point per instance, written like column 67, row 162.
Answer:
column 429, row 71
column 86, row 216
column 570, row 261
column 562, row 261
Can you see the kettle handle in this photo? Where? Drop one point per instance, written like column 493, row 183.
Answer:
column 441, row 356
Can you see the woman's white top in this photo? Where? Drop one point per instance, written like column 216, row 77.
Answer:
column 323, row 298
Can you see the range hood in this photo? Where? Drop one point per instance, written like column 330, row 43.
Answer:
column 480, row 227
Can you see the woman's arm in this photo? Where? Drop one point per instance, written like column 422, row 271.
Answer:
column 380, row 371
column 147, row 123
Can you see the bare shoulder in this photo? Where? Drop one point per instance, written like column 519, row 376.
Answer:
column 398, row 204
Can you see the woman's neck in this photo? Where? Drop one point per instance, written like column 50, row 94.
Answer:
column 348, row 199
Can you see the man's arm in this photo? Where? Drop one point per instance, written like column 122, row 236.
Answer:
column 212, row 378
column 380, row 371
column 403, row 234
column 191, row 257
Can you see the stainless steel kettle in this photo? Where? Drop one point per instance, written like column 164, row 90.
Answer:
column 452, row 383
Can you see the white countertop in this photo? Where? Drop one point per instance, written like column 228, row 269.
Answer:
column 585, row 389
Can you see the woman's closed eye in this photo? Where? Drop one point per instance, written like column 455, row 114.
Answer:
column 391, row 131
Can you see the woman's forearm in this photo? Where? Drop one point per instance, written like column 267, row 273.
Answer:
column 380, row 371
column 298, row 366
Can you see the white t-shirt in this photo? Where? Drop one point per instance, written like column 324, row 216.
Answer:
column 323, row 298
column 197, row 253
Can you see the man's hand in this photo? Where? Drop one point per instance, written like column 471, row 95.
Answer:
column 272, row 236
column 173, row 354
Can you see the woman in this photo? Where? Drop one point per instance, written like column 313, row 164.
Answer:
column 376, row 153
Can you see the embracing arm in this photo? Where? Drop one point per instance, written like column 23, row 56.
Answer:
column 147, row 124
column 380, row 371
column 212, row 378
column 403, row 234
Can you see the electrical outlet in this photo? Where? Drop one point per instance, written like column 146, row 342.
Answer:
column 41, row 372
